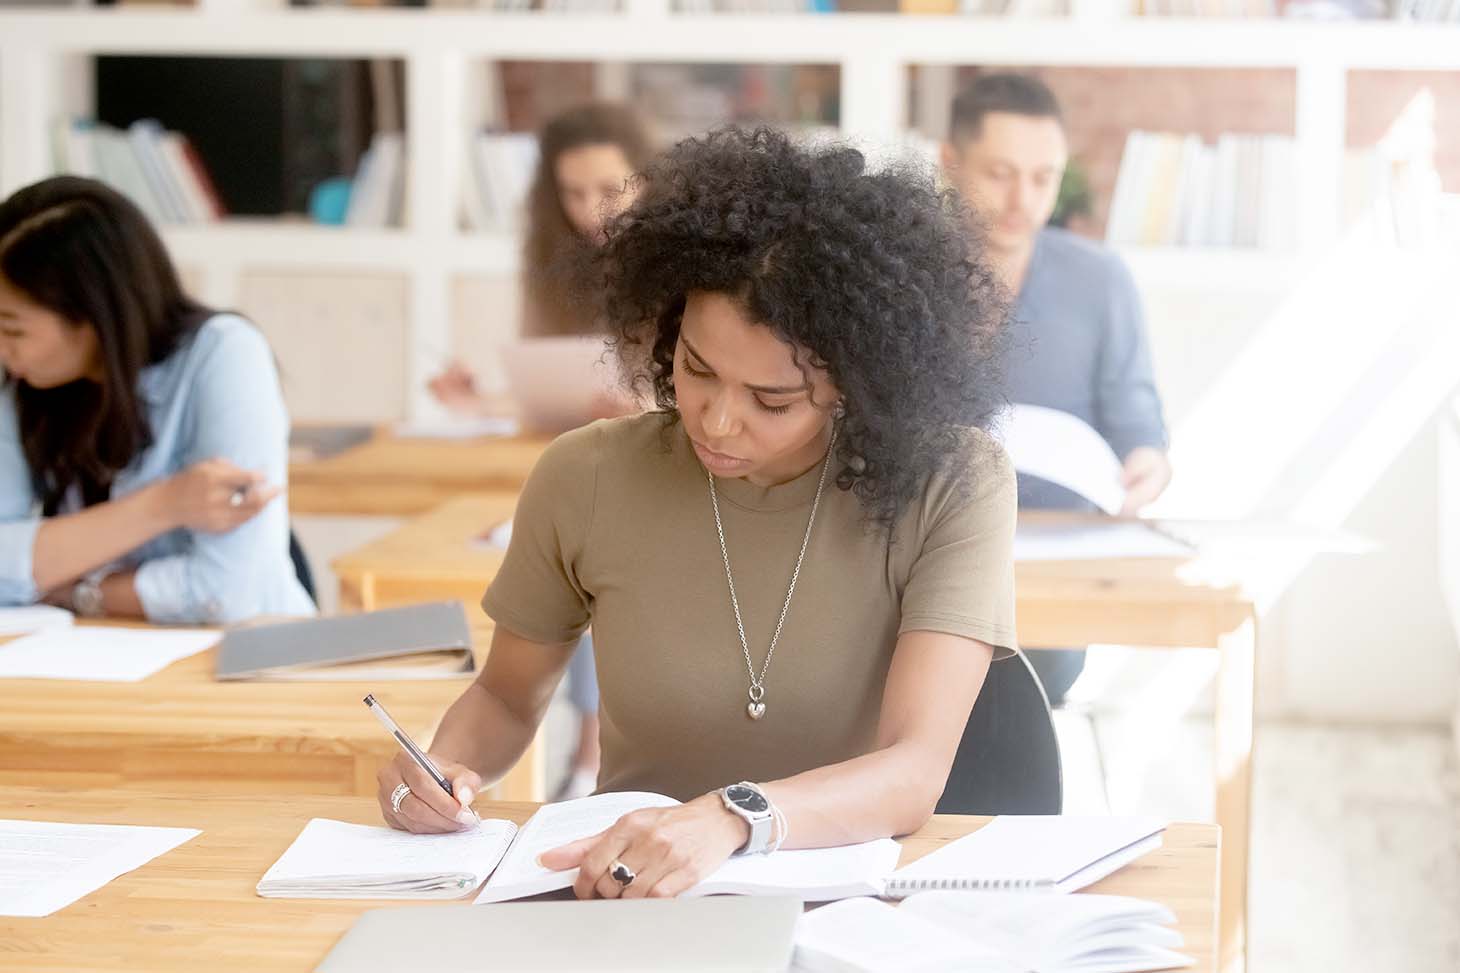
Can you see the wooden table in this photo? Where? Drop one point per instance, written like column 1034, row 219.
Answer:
column 195, row 908
column 1166, row 603
column 390, row 476
column 1152, row 602
column 181, row 730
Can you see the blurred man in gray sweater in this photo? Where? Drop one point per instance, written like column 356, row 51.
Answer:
column 1078, row 339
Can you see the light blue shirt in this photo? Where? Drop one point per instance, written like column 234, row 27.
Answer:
column 216, row 396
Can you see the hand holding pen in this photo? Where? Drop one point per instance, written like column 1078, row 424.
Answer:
column 214, row 496
column 420, row 793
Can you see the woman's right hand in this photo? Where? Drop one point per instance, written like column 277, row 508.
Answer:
column 201, row 496
column 456, row 388
column 427, row 809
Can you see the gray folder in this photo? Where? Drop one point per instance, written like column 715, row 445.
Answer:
column 745, row 934
column 428, row 641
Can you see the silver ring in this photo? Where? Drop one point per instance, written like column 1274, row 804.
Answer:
column 235, row 499
column 398, row 795
column 621, row 873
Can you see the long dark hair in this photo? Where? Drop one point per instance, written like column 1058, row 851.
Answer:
column 83, row 251
column 553, row 272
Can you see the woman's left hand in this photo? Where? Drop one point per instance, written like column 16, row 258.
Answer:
column 668, row 849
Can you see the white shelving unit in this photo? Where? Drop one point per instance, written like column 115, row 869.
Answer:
column 45, row 64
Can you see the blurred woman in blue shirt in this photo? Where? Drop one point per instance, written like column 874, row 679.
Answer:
column 143, row 437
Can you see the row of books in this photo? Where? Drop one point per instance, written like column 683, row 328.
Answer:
column 980, row 8
column 560, row 6
column 1428, row 11
column 377, row 193
column 158, row 170
column 496, row 180
column 1425, row 11
column 1205, row 8
column 1176, row 190
column 1398, row 202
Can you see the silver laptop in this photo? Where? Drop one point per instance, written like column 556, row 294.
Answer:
column 718, row 933
column 558, row 383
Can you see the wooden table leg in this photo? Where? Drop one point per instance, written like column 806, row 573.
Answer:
column 1233, row 750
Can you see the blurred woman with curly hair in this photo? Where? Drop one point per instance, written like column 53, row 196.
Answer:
column 799, row 568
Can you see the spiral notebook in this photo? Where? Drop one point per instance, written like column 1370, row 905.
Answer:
column 1049, row 853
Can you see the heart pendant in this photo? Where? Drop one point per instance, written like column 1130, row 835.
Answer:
column 755, row 710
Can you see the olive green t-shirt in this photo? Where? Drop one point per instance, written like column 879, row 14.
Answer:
column 615, row 529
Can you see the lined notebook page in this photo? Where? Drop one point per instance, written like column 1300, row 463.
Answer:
column 333, row 859
column 1053, row 852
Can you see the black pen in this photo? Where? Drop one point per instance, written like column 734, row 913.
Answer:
column 409, row 746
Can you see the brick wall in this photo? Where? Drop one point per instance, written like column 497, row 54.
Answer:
column 1102, row 105
column 1376, row 98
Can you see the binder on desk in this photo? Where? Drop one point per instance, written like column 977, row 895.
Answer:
column 429, row 641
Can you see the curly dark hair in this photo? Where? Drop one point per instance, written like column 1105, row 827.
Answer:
column 873, row 273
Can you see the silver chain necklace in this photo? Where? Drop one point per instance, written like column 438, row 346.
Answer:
column 755, row 709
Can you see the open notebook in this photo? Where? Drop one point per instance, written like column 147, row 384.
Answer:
column 331, row 859
column 990, row 932
column 429, row 641
column 1050, row 853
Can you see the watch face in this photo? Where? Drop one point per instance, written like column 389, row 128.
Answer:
column 745, row 798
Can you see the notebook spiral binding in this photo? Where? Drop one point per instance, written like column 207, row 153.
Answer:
column 898, row 887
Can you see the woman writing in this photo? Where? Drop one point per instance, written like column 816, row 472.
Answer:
column 800, row 568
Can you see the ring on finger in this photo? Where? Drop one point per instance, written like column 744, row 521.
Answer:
column 622, row 874
column 398, row 795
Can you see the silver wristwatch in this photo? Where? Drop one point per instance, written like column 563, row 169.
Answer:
column 86, row 598
column 747, row 801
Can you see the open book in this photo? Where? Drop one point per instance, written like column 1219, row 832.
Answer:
column 1048, row 853
column 331, row 859
column 990, row 932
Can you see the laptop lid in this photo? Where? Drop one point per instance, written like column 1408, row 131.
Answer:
column 717, row 933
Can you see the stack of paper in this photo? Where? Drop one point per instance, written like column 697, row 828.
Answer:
column 335, row 860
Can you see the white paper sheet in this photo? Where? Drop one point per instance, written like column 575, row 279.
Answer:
column 868, row 936
column 456, row 428
column 46, row 866
column 1093, row 541
column 552, row 826
column 334, row 859
column 33, row 618
column 1063, row 449
column 99, row 653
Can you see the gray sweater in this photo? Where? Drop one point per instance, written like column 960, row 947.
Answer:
column 1078, row 344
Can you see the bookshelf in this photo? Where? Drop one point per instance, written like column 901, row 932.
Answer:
column 45, row 57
